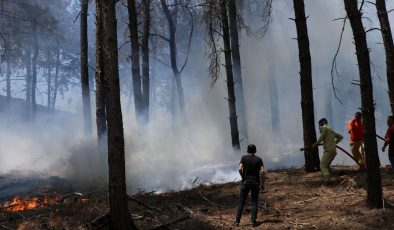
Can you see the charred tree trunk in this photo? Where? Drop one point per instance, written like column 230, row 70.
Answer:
column 145, row 58
column 230, row 79
column 388, row 47
column 87, row 113
column 100, row 81
column 236, row 57
column 367, row 104
column 49, row 81
column 34, row 78
column 173, row 54
column 153, row 80
column 119, row 214
column 56, row 83
column 135, row 62
column 28, row 80
column 312, row 162
column 8, row 83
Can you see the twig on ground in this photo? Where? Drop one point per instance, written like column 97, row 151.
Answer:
column 208, row 201
column 97, row 223
column 166, row 225
column 304, row 201
column 142, row 204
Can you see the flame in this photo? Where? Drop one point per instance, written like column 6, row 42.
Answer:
column 22, row 204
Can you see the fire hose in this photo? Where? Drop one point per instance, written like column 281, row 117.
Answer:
column 381, row 138
column 362, row 166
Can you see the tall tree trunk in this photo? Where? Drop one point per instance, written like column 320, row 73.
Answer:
column 87, row 113
column 49, row 88
column 173, row 54
column 135, row 61
column 56, row 84
column 119, row 214
column 101, row 118
column 153, row 80
column 312, row 162
column 28, row 80
column 173, row 96
column 274, row 102
column 230, row 79
column 367, row 104
column 8, row 84
column 145, row 57
column 239, row 90
column 34, row 79
column 388, row 47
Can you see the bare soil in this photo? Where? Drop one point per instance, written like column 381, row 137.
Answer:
column 292, row 200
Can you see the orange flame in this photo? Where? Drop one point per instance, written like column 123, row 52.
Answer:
column 17, row 204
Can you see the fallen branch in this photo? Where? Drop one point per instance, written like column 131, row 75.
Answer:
column 303, row 201
column 142, row 204
column 98, row 223
column 193, row 214
column 325, row 197
column 166, row 225
column 137, row 217
column 208, row 201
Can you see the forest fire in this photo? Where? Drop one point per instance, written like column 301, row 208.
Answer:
column 18, row 204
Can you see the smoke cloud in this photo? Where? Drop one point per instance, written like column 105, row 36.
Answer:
column 170, row 153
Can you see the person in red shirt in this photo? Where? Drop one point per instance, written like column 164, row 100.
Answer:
column 356, row 131
column 389, row 140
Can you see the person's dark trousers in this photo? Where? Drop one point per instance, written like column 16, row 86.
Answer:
column 245, row 189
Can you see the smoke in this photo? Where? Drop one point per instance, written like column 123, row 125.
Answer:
column 171, row 152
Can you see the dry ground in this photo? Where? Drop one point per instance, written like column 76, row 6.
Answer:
column 292, row 200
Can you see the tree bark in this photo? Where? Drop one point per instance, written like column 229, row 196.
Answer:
column 173, row 54
column 312, row 162
column 236, row 57
column 145, row 58
column 8, row 83
column 119, row 214
column 28, row 78
column 49, row 81
column 34, row 78
column 153, row 83
column 87, row 114
column 56, row 84
column 388, row 47
column 101, row 118
column 135, row 61
column 230, row 79
column 367, row 104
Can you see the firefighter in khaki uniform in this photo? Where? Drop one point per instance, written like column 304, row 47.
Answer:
column 330, row 140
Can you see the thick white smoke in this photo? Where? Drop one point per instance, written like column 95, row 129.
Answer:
column 171, row 152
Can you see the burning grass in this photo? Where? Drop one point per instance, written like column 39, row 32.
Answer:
column 293, row 200
column 27, row 203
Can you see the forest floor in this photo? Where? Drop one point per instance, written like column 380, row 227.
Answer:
column 292, row 200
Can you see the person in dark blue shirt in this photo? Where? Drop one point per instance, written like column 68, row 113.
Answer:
column 251, row 169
